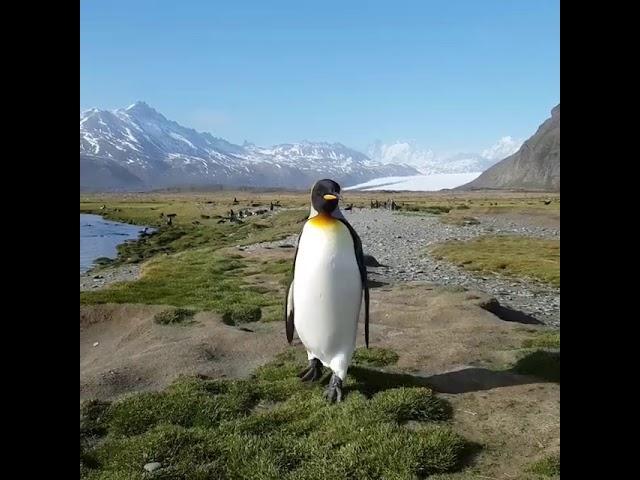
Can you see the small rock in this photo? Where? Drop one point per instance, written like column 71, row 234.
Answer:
column 152, row 467
column 97, row 276
column 95, row 344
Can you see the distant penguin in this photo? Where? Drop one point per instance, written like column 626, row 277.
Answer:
column 329, row 282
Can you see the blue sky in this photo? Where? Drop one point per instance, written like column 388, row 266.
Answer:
column 448, row 75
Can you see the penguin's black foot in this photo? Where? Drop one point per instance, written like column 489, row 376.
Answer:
column 333, row 393
column 313, row 372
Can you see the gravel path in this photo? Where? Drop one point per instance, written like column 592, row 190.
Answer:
column 399, row 241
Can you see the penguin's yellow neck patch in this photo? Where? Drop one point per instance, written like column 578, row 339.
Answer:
column 322, row 220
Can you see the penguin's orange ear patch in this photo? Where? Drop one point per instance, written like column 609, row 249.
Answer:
column 329, row 196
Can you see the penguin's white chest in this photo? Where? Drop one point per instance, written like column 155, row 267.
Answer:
column 327, row 290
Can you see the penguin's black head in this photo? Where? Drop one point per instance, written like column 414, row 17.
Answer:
column 325, row 195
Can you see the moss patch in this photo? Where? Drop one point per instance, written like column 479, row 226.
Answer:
column 513, row 255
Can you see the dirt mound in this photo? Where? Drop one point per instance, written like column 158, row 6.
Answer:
column 134, row 353
column 434, row 329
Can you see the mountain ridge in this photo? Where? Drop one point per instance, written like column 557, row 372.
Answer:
column 535, row 166
column 139, row 148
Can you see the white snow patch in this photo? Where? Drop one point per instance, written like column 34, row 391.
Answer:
column 181, row 138
column 92, row 142
column 418, row 183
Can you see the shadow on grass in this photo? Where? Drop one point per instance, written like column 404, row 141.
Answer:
column 540, row 366
column 509, row 314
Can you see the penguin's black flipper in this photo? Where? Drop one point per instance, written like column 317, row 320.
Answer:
column 366, row 314
column 288, row 301
column 357, row 244
column 288, row 313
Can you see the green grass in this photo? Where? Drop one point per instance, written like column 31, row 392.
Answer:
column 200, row 279
column 173, row 315
column 272, row 426
column 239, row 313
column 186, row 266
column 547, row 467
column 545, row 339
column 374, row 357
column 425, row 210
column 182, row 237
column 541, row 363
column 516, row 256
column 432, row 209
column 276, row 267
column 273, row 313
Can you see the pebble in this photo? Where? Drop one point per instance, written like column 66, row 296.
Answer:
column 120, row 273
column 152, row 467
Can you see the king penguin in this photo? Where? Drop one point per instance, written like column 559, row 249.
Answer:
column 329, row 284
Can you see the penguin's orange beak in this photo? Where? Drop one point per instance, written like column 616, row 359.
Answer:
column 329, row 196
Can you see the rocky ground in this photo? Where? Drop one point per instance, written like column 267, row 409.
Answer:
column 399, row 242
column 98, row 278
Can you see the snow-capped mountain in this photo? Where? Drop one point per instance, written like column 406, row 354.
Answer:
column 138, row 148
column 460, row 163
column 428, row 163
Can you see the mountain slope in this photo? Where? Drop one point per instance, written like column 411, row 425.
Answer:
column 104, row 174
column 535, row 166
column 138, row 148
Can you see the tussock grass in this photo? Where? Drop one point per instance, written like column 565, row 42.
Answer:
column 545, row 339
column 272, row 426
column 541, row 363
column 239, row 313
column 548, row 466
column 173, row 315
column 374, row 357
